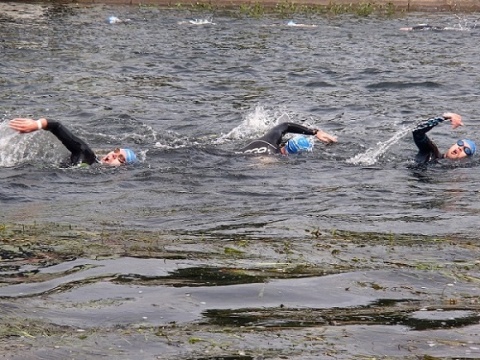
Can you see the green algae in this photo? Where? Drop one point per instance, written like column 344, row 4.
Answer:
column 288, row 9
column 26, row 248
column 43, row 245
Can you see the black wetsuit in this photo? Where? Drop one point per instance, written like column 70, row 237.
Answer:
column 427, row 150
column 427, row 27
column 80, row 151
column 271, row 142
column 422, row 27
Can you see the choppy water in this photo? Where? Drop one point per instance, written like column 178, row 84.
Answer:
column 186, row 95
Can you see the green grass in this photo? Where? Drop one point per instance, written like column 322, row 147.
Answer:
column 286, row 9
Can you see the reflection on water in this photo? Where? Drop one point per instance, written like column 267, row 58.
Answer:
column 374, row 314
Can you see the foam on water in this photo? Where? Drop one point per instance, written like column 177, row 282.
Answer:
column 14, row 148
column 255, row 123
column 371, row 155
column 174, row 141
column 197, row 22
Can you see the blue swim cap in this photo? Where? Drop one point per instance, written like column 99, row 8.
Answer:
column 131, row 157
column 297, row 144
column 471, row 145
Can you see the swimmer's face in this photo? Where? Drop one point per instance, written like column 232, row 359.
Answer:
column 459, row 150
column 116, row 157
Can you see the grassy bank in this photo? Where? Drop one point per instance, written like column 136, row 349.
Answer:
column 300, row 6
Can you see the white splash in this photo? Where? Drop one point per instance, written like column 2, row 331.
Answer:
column 256, row 122
column 116, row 20
column 197, row 22
column 371, row 155
column 18, row 148
column 293, row 23
column 13, row 147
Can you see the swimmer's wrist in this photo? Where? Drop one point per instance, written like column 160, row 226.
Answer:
column 448, row 115
column 40, row 123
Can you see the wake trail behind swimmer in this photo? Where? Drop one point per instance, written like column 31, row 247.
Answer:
column 371, row 155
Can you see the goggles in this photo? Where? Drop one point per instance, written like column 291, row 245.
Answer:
column 122, row 159
column 466, row 149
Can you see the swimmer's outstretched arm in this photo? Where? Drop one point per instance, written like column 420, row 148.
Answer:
column 426, row 126
column 80, row 151
column 326, row 138
column 321, row 135
column 275, row 135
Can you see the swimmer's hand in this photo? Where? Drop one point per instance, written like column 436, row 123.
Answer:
column 455, row 119
column 25, row 125
column 326, row 138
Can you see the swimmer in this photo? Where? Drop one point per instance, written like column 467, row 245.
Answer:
column 80, row 151
column 427, row 27
column 422, row 27
column 272, row 141
column 428, row 151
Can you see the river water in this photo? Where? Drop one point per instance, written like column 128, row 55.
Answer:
column 184, row 95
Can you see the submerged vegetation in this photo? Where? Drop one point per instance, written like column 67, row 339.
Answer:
column 44, row 245
column 212, row 261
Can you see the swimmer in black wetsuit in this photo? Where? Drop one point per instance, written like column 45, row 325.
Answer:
column 80, row 151
column 423, row 27
column 271, row 142
column 427, row 27
column 428, row 151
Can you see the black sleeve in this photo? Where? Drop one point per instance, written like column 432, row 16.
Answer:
column 80, row 151
column 275, row 135
column 427, row 27
column 427, row 150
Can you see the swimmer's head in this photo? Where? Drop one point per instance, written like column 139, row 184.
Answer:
column 119, row 157
column 461, row 149
column 298, row 144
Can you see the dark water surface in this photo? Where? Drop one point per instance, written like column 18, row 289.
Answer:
column 184, row 96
